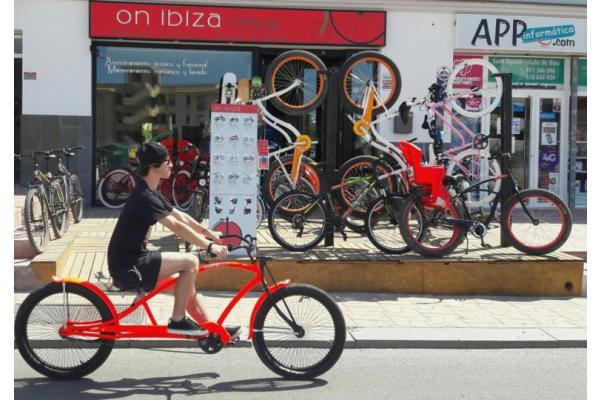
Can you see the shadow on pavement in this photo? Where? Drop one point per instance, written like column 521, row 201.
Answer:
column 159, row 387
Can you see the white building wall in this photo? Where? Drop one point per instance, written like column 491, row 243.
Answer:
column 419, row 44
column 56, row 47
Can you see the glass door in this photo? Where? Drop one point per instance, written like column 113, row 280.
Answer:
column 581, row 155
column 520, row 134
column 549, row 141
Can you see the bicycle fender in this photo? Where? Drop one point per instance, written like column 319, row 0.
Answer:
column 91, row 287
column 272, row 289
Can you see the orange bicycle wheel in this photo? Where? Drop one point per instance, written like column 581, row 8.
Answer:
column 302, row 67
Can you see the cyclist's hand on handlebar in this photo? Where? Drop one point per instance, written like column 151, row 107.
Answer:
column 219, row 251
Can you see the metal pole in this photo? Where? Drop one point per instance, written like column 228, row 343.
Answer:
column 505, row 142
column 573, row 134
column 330, row 140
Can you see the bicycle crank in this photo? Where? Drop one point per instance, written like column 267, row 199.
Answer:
column 211, row 344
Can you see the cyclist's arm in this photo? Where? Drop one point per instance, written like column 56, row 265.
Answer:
column 184, row 231
column 187, row 219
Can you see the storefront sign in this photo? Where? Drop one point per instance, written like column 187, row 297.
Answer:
column 470, row 76
column 236, row 24
column 549, row 158
column 534, row 73
column 538, row 34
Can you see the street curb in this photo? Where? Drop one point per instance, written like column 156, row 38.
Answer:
column 376, row 344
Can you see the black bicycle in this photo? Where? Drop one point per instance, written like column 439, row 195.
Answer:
column 534, row 221
column 70, row 182
column 299, row 221
column 44, row 201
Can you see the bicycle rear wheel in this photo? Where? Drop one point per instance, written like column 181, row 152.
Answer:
column 474, row 103
column 364, row 68
column 293, row 66
column 427, row 230
column 277, row 178
column 545, row 231
column 297, row 221
column 59, row 207
column 36, row 220
column 37, row 331
column 115, row 188
column 76, row 199
column 320, row 342
column 383, row 224
column 475, row 165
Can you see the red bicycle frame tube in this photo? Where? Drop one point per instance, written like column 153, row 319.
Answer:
column 114, row 330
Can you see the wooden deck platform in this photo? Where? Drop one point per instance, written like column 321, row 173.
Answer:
column 354, row 265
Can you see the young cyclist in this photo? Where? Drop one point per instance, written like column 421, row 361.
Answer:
column 131, row 265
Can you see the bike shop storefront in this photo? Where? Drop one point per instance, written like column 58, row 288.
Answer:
column 157, row 68
column 542, row 95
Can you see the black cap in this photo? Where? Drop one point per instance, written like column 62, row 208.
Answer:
column 151, row 153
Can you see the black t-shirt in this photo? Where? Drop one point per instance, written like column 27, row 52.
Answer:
column 142, row 209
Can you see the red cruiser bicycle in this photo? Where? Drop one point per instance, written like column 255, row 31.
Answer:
column 68, row 328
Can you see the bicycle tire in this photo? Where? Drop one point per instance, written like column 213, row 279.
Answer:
column 39, row 352
column 325, row 342
column 359, row 70
column 114, row 188
column 198, row 206
column 260, row 211
column 286, row 222
column 493, row 189
column 488, row 93
column 297, row 65
column 426, row 239
column 181, row 190
column 360, row 167
column 76, row 199
column 33, row 220
column 384, row 213
column 276, row 183
column 59, row 217
column 510, row 219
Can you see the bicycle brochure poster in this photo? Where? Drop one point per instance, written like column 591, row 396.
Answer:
column 233, row 166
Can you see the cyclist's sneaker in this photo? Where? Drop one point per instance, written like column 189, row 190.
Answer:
column 185, row 327
column 234, row 331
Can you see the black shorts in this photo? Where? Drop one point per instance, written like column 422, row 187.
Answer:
column 142, row 274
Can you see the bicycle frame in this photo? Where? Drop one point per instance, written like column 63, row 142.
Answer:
column 114, row 330
column 301, row 144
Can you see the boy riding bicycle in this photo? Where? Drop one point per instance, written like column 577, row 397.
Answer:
column 132, row 266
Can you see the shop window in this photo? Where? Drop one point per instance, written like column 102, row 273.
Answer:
column 144, row 93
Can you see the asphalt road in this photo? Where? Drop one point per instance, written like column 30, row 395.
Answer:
column 360, row 374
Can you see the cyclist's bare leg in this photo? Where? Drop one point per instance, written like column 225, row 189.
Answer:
column 185, row 290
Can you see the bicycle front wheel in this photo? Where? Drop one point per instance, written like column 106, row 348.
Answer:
column 36, row 220
column 319, row 341
column 383, row 224
column 115, row 188
column 37, row 327
column 536, row 221
column 76, row 199
column 467, row 101
column 297, row 221
column 297, row 66
column 366, row 68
